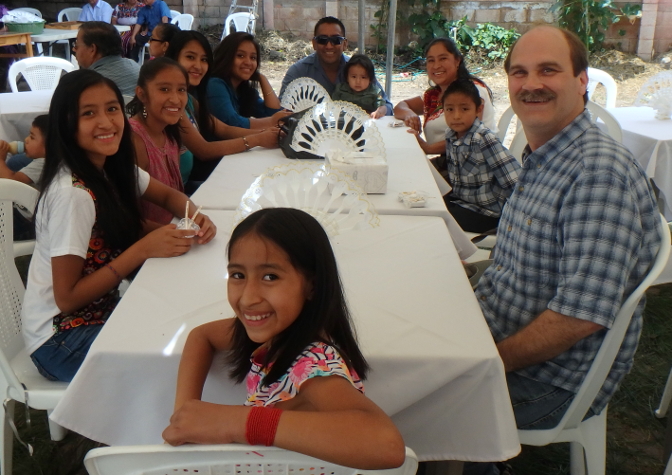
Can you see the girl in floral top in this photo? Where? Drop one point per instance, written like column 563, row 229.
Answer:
column 305, row 366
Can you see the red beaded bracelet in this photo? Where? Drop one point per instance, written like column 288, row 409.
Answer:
column 262, row 424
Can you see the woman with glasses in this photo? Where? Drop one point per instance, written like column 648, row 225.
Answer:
column 444, row 64
column 161, row 37
column 238, row 94
column 126, row 13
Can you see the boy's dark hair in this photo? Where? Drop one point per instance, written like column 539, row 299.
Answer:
column 324, row 316
column 363, row 61
column 466, row 87
column 41, row 123
column 330, row 20
column 116, row 186
column 462, row 71
column 104, row 36
column 167, row 30
column 225, row 54
column 205, row 121
column 148, row 72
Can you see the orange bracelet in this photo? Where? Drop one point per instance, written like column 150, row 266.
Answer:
column 261, row 426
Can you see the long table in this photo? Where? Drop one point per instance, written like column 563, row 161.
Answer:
column 650, row 141
column 408, row 171
column 435, row 367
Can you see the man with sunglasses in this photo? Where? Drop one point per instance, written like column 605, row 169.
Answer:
column 326, row 65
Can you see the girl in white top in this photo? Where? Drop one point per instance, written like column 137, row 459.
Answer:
column 444, row 64
column 90, row 232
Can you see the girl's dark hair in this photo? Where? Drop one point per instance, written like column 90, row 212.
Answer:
column 466, row 87
column 116, row 186
column 225, row 54
column 462, row 71
column 324, row 315
column 167, row 31
column 148, row 72
column 205, row 121
column 41, row 123
column 363, row 61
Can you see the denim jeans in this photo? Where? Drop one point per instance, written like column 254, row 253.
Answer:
column 535, row 406
column 59, row 358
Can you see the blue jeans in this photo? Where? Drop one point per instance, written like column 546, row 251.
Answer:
column 18, row 161
column 535, row 406
column 59, row 358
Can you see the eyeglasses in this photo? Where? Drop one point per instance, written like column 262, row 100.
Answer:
column 334, row 40
column 156, row 39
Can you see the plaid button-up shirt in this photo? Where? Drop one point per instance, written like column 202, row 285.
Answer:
column 577, row 236
column 480, row 170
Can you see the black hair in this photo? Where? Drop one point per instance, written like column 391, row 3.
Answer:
column 324, row 316
column 104, row 36
column 148, row 72
column 41, row 123
column 462, row 71
column 466, row 87
column 363, row 61
column 205, row 121
column 225, row 54
column 116, row 186
column 329, row 20
column 168, row 31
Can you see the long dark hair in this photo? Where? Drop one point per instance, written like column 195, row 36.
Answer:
column 148, row 72
column 462, row 71
column 116, row 186
column 225, row 54
column 324, row 315
column 177, row 43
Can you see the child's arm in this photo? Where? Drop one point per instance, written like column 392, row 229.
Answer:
column 175, row 201
column 378, row 113
column 5, row 172
column 428, row 148
column 197, row 355
column 358, row 433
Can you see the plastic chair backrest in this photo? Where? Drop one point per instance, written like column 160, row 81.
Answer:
column 613, row 127
column 34, row 11
column 229, row 459
column 11, row 286
column 241, row 21
column 41, row 73
column 519, row 141
column 183, row 21
column 69, row 14
column 174, row 13
column 610, row 345
column 597, row 76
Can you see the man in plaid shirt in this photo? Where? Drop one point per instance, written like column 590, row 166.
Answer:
column 578, row 234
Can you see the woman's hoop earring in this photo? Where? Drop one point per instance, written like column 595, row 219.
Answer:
column 144, row 112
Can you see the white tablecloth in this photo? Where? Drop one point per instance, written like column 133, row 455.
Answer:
column 50, row 35
column 17, row 111
column 650, row 141
column 409, row 170
column 435, row 368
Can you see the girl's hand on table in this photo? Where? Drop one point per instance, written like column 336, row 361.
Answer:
column 167, row 241
column 267, row 138
column 208, row 229
column 198, row 422
column 280, row 114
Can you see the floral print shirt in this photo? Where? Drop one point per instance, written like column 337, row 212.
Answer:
column 318, row 359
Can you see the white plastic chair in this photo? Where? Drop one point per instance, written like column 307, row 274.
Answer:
column 597, row 76
column 20, row 380
column 241, row 21
column 183, row 21
column 41, row 73
column 519, row 140
column 613, row 127
column 67, row 14
column 174, row 13
column 591, row 435
column 226, row 459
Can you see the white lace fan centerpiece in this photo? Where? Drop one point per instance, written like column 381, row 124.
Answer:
column 657, row 94
column 337, row 125
column 330, row 196
column 302, row 94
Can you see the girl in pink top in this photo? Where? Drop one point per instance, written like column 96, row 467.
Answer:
column 293, row 345
column 159, row 102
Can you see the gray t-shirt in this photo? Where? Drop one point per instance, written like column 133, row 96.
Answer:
column 34, row 171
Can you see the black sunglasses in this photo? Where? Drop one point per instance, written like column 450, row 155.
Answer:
column 334, row 40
